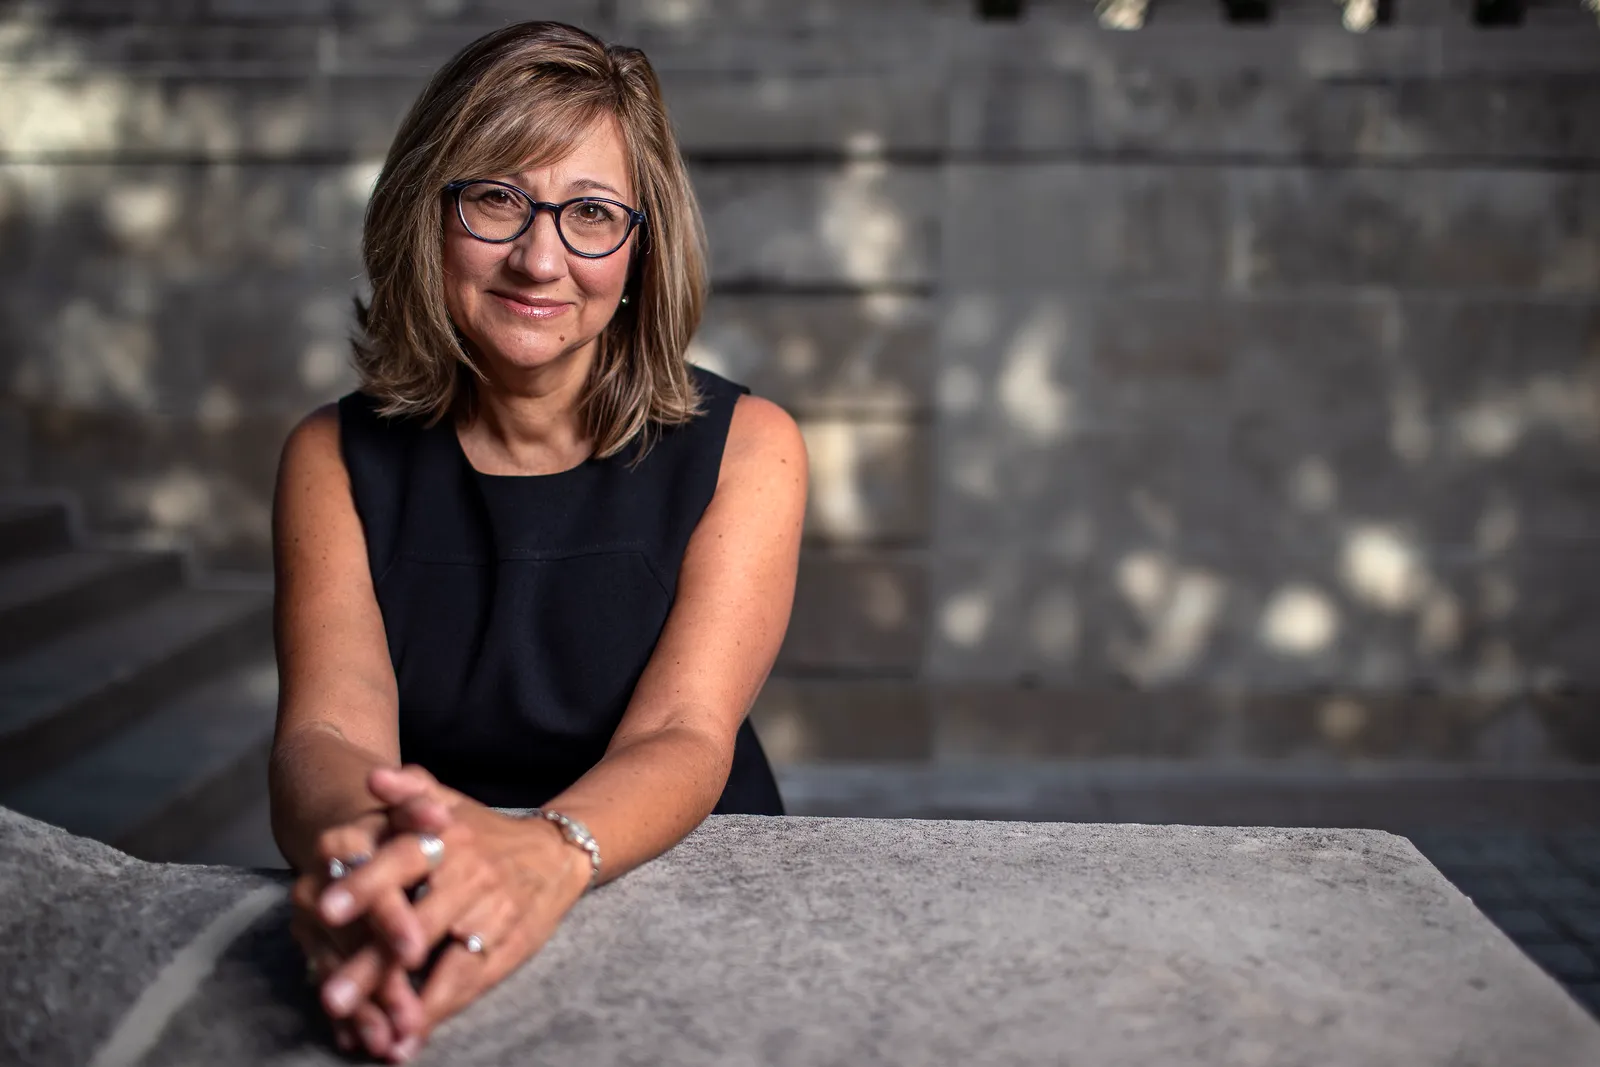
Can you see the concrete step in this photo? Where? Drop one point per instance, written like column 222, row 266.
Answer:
column 29, row 528
column 174, row 778
column 42, row 597
column 77, row 689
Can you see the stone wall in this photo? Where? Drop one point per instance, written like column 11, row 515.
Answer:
column 1198, row 391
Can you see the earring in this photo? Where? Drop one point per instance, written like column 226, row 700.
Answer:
column 624, row 299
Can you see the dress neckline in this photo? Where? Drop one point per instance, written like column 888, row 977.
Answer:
column 455, row 442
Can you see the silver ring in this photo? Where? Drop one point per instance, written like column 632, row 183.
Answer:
column 432, row 849
column 338, row 868
column 473, row 943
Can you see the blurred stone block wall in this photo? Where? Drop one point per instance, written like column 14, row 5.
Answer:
column 1206, row 390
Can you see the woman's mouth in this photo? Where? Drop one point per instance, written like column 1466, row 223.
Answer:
column 531, row 307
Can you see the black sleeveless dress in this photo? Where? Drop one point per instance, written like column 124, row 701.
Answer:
column 520, row 611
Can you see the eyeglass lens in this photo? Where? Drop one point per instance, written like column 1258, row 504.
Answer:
column 495, row 213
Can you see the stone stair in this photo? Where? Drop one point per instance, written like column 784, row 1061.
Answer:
column 136, row 702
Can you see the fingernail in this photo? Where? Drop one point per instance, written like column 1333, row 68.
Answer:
column 405, row 1049
column 371, row 1036
column 340, row 995
column 337, row 904
column 408, row 949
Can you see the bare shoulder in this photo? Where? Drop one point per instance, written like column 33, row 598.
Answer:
column 313, row 492
column 763, row 441
column 312, row 463
column 315, row 436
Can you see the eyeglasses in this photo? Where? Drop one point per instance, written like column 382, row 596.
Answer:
column 590, row 226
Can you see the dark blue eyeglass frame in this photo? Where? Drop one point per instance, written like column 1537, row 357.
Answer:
column 635, row 217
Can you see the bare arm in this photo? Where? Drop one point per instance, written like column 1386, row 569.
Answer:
column 337, row 701
column 508, row 882
column 669, row 759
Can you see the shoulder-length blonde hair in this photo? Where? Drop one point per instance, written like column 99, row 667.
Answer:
column 519, row 97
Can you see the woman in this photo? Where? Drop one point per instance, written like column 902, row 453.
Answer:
column 537, row 557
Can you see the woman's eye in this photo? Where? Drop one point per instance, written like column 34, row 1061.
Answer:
column 489, row 197
column 593, row 213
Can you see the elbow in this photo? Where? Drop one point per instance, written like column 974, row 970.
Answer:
column 699, row 749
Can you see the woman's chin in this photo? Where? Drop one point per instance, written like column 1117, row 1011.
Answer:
column 524, row 358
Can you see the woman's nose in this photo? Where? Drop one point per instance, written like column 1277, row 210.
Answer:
column 539, row 252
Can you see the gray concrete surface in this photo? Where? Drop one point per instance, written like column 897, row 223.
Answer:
column 810, row 941
column 1525, row 850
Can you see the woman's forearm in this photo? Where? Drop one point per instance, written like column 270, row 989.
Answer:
column 641, row 799
column 647, row 794
column 318, row 779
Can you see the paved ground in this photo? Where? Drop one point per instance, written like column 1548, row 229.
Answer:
column 1542, row 890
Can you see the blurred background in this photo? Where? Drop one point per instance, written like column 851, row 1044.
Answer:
column 1203, row 400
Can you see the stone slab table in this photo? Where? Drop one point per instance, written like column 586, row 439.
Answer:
column 835, row 941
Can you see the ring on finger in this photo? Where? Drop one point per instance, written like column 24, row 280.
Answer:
column 432, row 849
column 474, row 943
column 338, row 868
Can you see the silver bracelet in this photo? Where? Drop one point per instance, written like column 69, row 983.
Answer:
column 576, row 833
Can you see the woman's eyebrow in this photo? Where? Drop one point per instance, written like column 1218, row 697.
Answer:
column 588, row 184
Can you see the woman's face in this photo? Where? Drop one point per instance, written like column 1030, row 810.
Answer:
column 527, row 303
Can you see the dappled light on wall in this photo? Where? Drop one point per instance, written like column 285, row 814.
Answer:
column 964, row 617
column 98, row 354
column 1178, row 607
column 1300, row 620
column 841, row 453
column 1315, row 485
column 1359, row 16
column 1341, row 719
column 219, row 408
column 1030, row 396
column 1383, row 568
column 1410, row 431
column 183, row 497
column 860, row 226
column 681, row 12
column 1494, row 424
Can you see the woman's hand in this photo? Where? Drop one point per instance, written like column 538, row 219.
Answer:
column 379, row 1022
column 503, row 881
